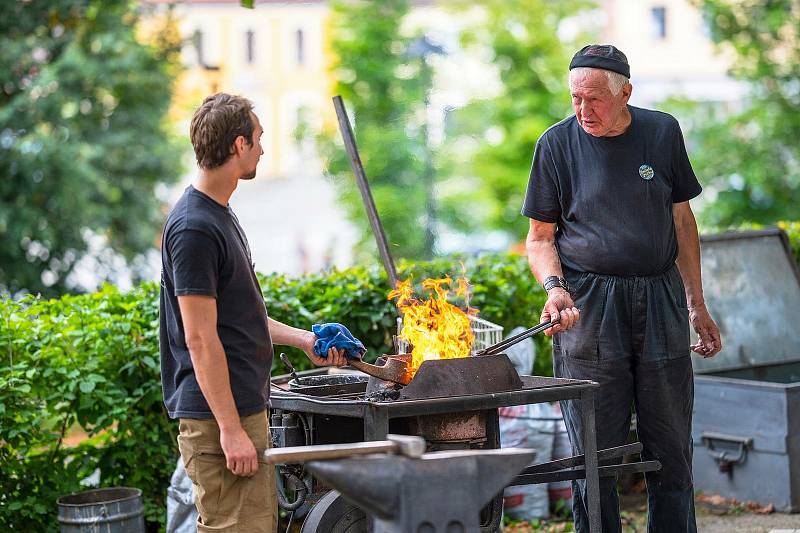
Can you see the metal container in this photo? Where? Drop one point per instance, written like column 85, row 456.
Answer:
column 746, row 420
column 114, row 510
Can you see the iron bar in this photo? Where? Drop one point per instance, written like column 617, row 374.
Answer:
column 580, row 473
column 363, row 187
column 578, row 460
column 376, row 423
column 590, row 452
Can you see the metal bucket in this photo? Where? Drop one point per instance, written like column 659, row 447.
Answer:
column 113, row 510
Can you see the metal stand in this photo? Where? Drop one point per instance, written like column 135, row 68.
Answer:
column 376, row 418
column 404, row 492
column 590, row 451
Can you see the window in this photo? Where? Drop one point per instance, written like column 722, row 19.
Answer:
column 706, row 25
column 658, row 17
column 250, row 49
column 298, row 37
column 198, row 46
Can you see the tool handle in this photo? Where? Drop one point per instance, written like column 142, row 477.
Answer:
column 507, row 343
column 300, row 454
column 288, row 364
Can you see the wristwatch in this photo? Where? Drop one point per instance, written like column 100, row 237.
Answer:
column 554, row 281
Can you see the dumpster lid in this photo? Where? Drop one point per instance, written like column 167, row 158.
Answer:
column 751, row 284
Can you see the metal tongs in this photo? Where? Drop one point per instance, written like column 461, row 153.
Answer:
column 495, row 349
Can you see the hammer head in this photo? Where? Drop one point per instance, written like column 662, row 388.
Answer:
column 408, row 445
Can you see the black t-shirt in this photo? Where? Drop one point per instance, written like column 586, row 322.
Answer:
column 204, row 251
column 612, row 197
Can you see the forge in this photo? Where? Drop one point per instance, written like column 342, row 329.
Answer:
column 451, row 403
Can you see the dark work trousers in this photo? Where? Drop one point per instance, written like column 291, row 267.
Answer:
column 633, row 339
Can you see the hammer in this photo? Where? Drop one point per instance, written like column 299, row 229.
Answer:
column 405, row 445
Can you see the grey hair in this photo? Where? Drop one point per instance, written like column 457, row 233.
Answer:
column 616, row 81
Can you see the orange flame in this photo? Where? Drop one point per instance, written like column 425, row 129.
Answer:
column 435, row 328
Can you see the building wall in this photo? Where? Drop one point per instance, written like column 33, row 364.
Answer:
column 289, row 212
column 667, row 43
column 670, row 50
column 283, row 82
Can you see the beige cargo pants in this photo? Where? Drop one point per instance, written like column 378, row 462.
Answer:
column 227, row 502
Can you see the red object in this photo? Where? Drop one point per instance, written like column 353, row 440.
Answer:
column 513, row 501
column 559, row 494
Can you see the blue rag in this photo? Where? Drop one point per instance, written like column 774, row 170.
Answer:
column 336, row 335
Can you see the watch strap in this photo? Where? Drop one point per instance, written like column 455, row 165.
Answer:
column 552, row 282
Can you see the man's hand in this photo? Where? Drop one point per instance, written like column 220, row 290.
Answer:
column 335, row 357
column 559, row 307
column 710, row 342
column 240, row 454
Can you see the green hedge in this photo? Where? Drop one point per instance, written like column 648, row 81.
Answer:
column 80, row 363
column 90, row 363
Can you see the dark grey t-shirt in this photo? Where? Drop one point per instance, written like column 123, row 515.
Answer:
column 612, row 197
column 204, row 251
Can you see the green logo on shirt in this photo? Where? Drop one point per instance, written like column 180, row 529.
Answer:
column 646, row 172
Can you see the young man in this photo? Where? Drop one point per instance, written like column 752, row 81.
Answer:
column 612, row 233
column 215, row 336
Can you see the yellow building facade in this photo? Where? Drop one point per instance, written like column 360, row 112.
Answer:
column 275, row 55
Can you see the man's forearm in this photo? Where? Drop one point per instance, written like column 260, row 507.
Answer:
column 289, row 336
column 543, row 257
column 689, row 257
column 211, row 370
column 544, row 262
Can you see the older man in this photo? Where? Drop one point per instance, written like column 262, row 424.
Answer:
column 612, row 234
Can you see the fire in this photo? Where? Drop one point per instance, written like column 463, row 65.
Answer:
column 435, row 328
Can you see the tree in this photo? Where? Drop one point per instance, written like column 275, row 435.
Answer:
column 750, row 159
column 83, row 143
column 383, row 85
column 532, row 63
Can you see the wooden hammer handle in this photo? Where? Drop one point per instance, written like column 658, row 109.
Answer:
column 300, row 454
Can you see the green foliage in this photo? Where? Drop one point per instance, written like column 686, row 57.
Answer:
column 79, row 364
column 384, row 87
column 792, row 229
column 89, row 364
column 476, row 181
column 532, row 63
column 750, row 159
column 82, row 139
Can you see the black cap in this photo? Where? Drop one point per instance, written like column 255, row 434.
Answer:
column 604, row 56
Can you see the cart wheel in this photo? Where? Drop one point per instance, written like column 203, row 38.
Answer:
column 333, row 514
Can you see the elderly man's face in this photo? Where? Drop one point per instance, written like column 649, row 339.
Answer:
column 599, row 112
